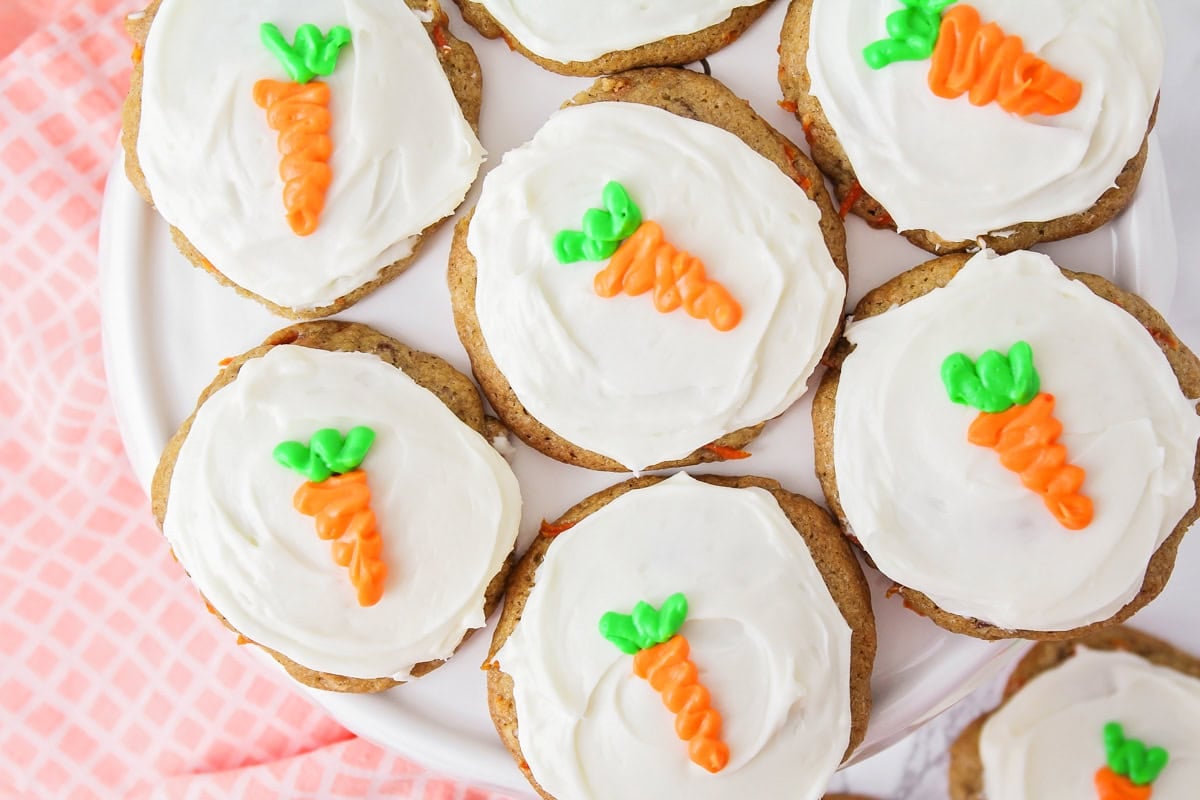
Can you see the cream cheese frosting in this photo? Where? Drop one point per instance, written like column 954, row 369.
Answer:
column 578, row 30
column 961, row 170
column 768, row 638
column 1046, row 743
column 447, row 504
column 944, row 517
column 614, row 375
column 403, row 154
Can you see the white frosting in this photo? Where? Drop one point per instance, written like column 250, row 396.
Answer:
column 448, row 508
column 943, row 516
column 403, row 155
column 1047, row 742
column 769, row 641
column 615, row 376
column 579, row 30
column 961, row 170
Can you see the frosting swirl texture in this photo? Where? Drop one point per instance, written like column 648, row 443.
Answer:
column 447, row 505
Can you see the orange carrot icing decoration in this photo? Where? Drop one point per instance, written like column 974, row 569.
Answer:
column 1132, row 767
column 969, row 57
column 1026, row 437
column 1018, row 422
column 299, row 111
column 661, row 656
column 338, row 495
column 643, row 260
column 982, row 60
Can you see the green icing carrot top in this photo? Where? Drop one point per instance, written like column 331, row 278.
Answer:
column 310, row 54
column 1131, row 758
column 327, row 453
column 993, row 383
column 603, row 228
column 912, row 33
column 646, row 626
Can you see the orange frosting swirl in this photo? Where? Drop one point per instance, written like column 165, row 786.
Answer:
column 647, row 261
column 1026, row 437
column 982, row 60
column 342, row 507
column 670, row 671
column 300, row 113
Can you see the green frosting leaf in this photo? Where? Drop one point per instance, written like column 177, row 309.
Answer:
column 572, row 246
column 646, row 626
column 1131, row 758
column 327, row 453
column 297, row 456
column 311, row 53
column 995, row 382
column 912, row 34
column 619, row 629
column 645, row 619
column 671, row 616
column 603, row 228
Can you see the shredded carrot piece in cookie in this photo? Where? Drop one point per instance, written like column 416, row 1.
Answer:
column 726, row 453
column 852, row 197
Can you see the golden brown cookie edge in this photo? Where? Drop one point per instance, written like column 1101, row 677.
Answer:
column 463, row 72
column 450, row 386
column 966, row 766
column 672, row 90
column 795, row 83
column 935, row 274
column 834, row 558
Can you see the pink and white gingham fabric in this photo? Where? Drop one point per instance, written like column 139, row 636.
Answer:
column 114, row 682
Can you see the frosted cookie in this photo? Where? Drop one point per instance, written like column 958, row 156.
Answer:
column 577, row 37
column 301, row 151
column 666, row 326
column 316, row 499
column 1112, row 716
column 1013, row 444
column 730, row 601
column 914, row 111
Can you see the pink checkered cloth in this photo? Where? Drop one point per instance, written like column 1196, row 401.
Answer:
column 114, row 682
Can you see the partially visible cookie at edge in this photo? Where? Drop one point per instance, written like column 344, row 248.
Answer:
column 966, row 770
column 576, row 52
column 983, row 173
